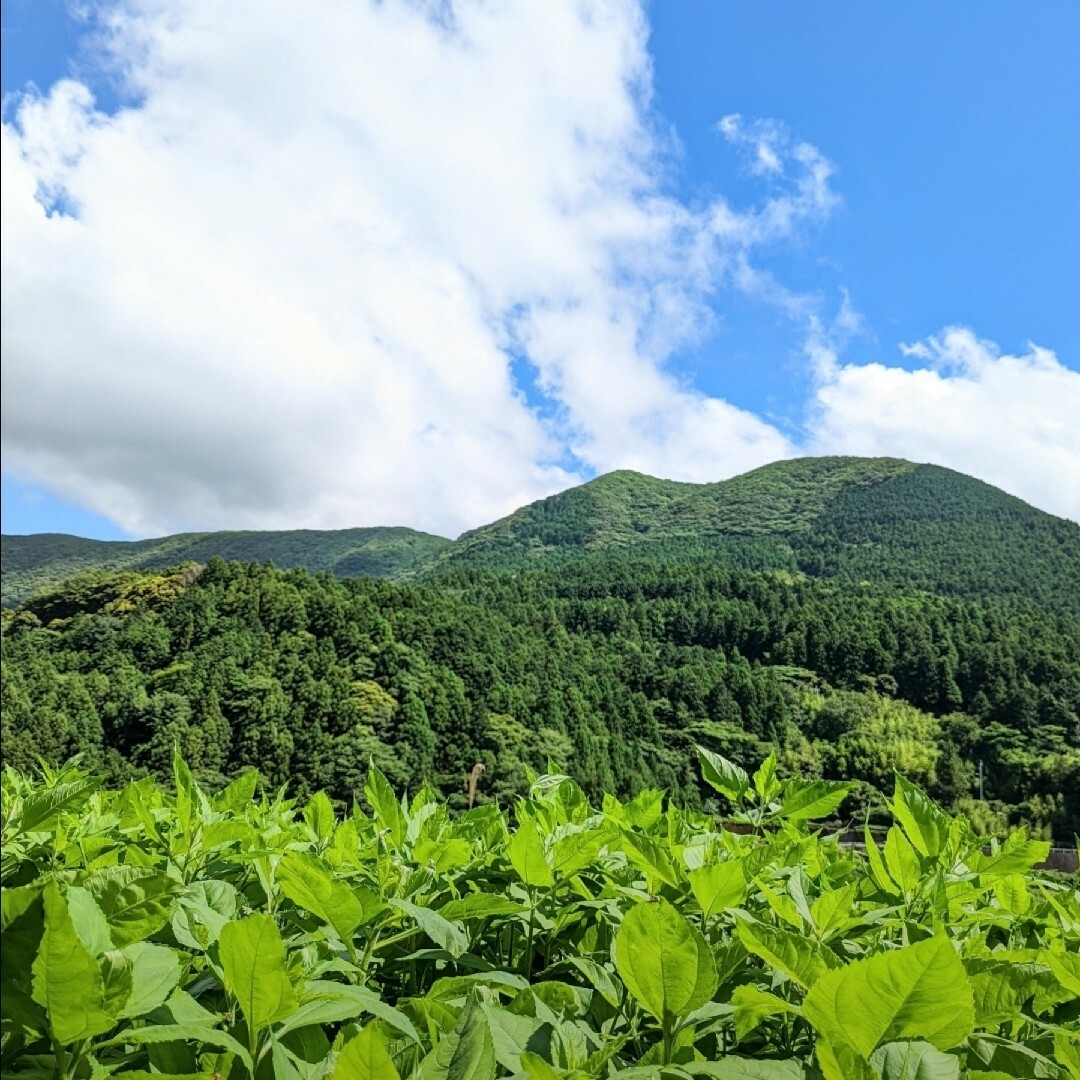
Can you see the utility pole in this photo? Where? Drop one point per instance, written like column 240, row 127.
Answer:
column 981, row 799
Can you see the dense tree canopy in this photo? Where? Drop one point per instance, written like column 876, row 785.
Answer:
column 611, row 669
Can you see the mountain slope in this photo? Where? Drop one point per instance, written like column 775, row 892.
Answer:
column 34, row 563
column 879, row 520
column 850, row 519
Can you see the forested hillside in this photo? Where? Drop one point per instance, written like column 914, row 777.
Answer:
column 610, row 668
column 32, row 564
column 848, row 519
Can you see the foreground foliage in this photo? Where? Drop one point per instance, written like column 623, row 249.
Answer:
column 238, row 934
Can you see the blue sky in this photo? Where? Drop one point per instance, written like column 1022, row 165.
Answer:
column 536, row 269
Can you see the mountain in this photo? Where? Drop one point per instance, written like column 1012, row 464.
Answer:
column 859, row 616
column 34, row 563
column 878, row 520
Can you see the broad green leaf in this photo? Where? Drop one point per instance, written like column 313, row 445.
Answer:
column 723, row 775
column 40, row 809
column 513, row 1035
column 878, row 871
column 442, row 856
column 310, row 883
column 1001, row 1055
column 119, row 978
column 89, row 921
column 479, row 906
column 784, row 906
column 155, row 971
column 600, row 978
column 1016, row 856
column 365, row 1057
column 902, row 861
column 388, row 812
column 1012, row 893
column 914, row 1061
column 253, row 957
column 202, row 911
column 1067, row 1052
column 320, row 817
column 926, row 824
column 573, row 852
column 765, row 783
column 67, row 981
column 752, row 1005
column 346, row 1002
column 663, row 960
column 650, row 858
column 440, row 930
column 645, row 808
column 163, row 1033
column 731, row 1067
column 16, row 902
column 832, row 909
column 466, row 1053
column 536, row 1068
column 718, row 886
column 1066, row 968
column 919, row 991
column 526, row 853
column 797, row 956
column 220, row 834
column 136, row 901
column 807, row 800
column 234, row 798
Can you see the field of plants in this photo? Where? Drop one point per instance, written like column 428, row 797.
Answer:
column 152, row 932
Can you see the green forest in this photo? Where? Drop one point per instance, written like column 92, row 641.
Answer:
column 859, row 616
column 609, row 669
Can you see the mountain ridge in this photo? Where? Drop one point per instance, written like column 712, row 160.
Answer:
column 883, row 520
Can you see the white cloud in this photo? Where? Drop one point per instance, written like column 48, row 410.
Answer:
column 284, row 287
column 1009, row 420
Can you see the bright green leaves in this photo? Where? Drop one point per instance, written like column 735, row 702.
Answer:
column 155, row 971
column 365, row 1058
column 798, row 957
column 495, row 944
column 526, row 853
column 136, row 902
column 718, row 886
column 253, row 958
column 725, row 776
column 664, row 960
column 439, row 929
column 388, row 813
column 311, row 884
column 68, row 981
column 914, row 1061
column 926, row 824
column 85, row 984
column 466, row 1053
column 920, row 991
column 791, row 800
column 811, row 800
column 752, row 1005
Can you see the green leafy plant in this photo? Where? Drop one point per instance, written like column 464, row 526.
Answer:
column 174, row 932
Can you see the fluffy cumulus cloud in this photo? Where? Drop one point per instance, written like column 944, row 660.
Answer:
column 415, row 262
column 286, row 287
column 1013, row 421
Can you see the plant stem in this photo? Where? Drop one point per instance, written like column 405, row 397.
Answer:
column 529, row 941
